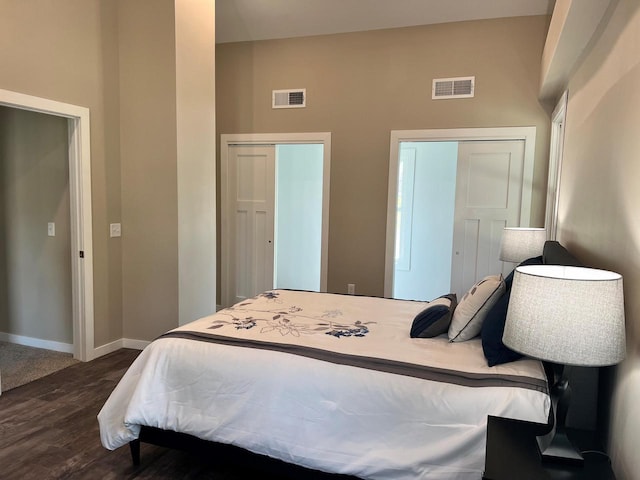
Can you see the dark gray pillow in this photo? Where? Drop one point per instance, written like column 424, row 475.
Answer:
column 555, row 254
column 435, row 319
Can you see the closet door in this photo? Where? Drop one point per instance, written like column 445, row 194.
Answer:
column 251, row 171
column 488, row 198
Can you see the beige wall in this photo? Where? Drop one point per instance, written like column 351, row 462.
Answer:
column 34, row 190
column 599, row 199
column 167, row 121
column 118, row 58
column 361, row 86
column 148, row 152
column 67, row 51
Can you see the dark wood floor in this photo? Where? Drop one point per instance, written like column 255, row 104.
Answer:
column 49, row 430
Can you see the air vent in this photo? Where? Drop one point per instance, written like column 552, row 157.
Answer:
column 289, row 98
column 461, row 87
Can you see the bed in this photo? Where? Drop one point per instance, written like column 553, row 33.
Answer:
column 329, row 382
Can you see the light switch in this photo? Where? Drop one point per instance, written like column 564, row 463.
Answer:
column 51, row 229
column 115, row 230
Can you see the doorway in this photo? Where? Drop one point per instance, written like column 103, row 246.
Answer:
column 424, row 216
column 81, row 236
column 451, row 192
column 35, row 245
column 297, row 245
column 274, row 213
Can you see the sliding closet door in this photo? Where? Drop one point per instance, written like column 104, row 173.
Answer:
column 487, row 187
column 488, row 198
column 274, row 213
column 251, row 171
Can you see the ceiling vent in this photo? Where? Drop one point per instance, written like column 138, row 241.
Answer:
column 296, row 98
column 460, row 87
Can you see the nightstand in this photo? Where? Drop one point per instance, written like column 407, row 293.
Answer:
column 512, row 452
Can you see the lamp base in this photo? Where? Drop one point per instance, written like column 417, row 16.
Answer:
column 555, row 446
column 560, row 450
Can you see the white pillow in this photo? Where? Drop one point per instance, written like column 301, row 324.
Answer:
column 473, row 308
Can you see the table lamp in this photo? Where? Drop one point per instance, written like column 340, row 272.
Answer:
column 567, row 316
column 520, row 243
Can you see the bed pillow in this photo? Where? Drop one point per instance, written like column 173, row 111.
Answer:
column 435, row 319
column 494, row 350
column 468, row 316
column 554, row 253
column 508, row 280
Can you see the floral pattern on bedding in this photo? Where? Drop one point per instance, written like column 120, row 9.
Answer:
column 288, row 320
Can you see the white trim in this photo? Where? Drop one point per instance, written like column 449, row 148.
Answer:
column 226, row 141
column 108, row 348
column 81, row 220
column 558, row 127
column 527, row 134
column 275, row 138
column 36, row 342
column 120, row 343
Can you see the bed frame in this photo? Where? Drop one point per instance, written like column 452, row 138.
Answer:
column 231, row 454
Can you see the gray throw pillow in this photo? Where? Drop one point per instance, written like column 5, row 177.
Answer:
column 473, row 308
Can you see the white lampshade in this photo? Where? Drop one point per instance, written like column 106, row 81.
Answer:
column 519, row 243
column 567, row 315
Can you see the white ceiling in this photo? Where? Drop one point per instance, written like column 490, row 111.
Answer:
column 243, row 20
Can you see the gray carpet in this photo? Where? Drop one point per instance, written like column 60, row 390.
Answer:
column 20, row 364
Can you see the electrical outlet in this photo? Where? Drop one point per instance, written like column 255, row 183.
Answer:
column 351, row 288
column 51, row 229
column 115, row 230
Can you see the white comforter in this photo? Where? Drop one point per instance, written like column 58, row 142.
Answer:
column 304, row 407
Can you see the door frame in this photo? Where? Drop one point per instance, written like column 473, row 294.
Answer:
column 248, row 139
column 526, row 134
column 79, row 126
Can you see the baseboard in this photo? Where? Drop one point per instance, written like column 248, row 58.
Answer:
column 68, row 347
column 107, row 348
column 118, row 344
column 36, row 342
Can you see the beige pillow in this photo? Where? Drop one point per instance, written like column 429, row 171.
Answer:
column 473, row 308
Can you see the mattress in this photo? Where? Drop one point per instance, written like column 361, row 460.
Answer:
column 329, row 382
